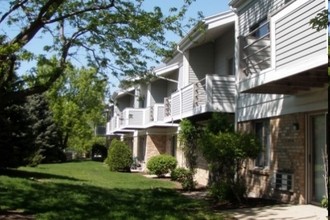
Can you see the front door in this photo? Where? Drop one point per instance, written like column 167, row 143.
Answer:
column 317, row 150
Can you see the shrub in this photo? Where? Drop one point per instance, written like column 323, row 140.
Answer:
column 119, row 156
column 185, row 177
column 161, row 164
column 225, row 191
column 178, row 173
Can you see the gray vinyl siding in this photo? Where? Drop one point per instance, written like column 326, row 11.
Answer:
column 224, row 50
column 158, row 91
column 255, row 11
column 175, row 105
column 256, row 106
column 187, row 100
column 125, row 102
column 136, row 117
column 295, row 39
column 201, row 60
column 223, row 91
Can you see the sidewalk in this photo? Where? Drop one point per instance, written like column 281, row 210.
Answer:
column 281, row 212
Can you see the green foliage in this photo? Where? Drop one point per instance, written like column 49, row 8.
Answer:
column 185, row 177
column 77, row 104
column 325, row 202
column 119, row 156
column 321, row 20
column 107, row 37
column 15, row 137
column 45, row 132
column 225, row 152
column 161, row 164
column 188, row 135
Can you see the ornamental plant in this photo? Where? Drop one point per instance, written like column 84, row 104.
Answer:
column 119, row 157
column 161, row 164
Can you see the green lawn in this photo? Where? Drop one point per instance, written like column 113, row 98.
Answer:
column 88, row 190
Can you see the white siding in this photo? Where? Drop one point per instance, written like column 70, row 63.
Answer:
column 256, row 106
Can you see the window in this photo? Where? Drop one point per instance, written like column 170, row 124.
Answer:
column 260, row 29
column 262, row 132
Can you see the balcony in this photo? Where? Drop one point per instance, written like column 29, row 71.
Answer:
column 291, row 58
column 256, row 53
column 213, row 93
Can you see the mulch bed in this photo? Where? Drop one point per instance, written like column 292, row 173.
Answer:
column 15, row 215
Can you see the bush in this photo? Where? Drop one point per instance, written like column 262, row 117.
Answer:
column 224, row 191
column 119, row 156
column 161, row 164
column 185, row 177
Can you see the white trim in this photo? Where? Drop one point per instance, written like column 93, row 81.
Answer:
column 167, row 69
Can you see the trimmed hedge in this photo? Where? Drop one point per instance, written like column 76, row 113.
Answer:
column 119, row 156
column 161, row 164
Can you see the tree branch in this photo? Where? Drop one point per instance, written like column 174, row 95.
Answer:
column 15, row 7
column 46, row 12
column 97, row 8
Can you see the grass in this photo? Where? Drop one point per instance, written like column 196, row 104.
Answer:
column 88, row 190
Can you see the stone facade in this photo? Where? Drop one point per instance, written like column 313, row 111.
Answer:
column 287, row 155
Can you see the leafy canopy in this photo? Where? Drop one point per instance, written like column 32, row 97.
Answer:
column 113, row 36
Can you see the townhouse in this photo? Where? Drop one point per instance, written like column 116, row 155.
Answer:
column 197, row 81
column 262, row 64
column 283, row 96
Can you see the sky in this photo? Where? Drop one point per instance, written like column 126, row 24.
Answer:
column 207, row 7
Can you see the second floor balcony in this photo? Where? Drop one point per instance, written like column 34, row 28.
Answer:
column 137, row 118
column 214, row 93
column 283, row 54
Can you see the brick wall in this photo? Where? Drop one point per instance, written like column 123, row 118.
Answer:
column 287, row 155
column 155, row 145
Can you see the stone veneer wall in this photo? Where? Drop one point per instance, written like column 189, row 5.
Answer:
column 287, row 155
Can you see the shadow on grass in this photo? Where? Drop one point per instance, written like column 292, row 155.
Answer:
column 73, row 201
column 32, row 175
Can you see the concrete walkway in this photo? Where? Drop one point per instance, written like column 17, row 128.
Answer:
column 281, row 212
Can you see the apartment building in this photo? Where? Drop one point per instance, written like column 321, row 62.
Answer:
column 264, row 65
column 197, row 81
column 283, row 96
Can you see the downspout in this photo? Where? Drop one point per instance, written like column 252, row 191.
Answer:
column 237, row 63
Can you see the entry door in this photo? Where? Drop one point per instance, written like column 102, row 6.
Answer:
column 318, row 148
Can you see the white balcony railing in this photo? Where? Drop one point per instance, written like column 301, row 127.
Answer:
column 136, row 118
column 157, row 113
column 133, row 117
column 214, row 93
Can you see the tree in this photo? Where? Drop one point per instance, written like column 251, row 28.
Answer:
column 44, row 130
column 77, row 102
column 16, row 138
column 115, row 34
